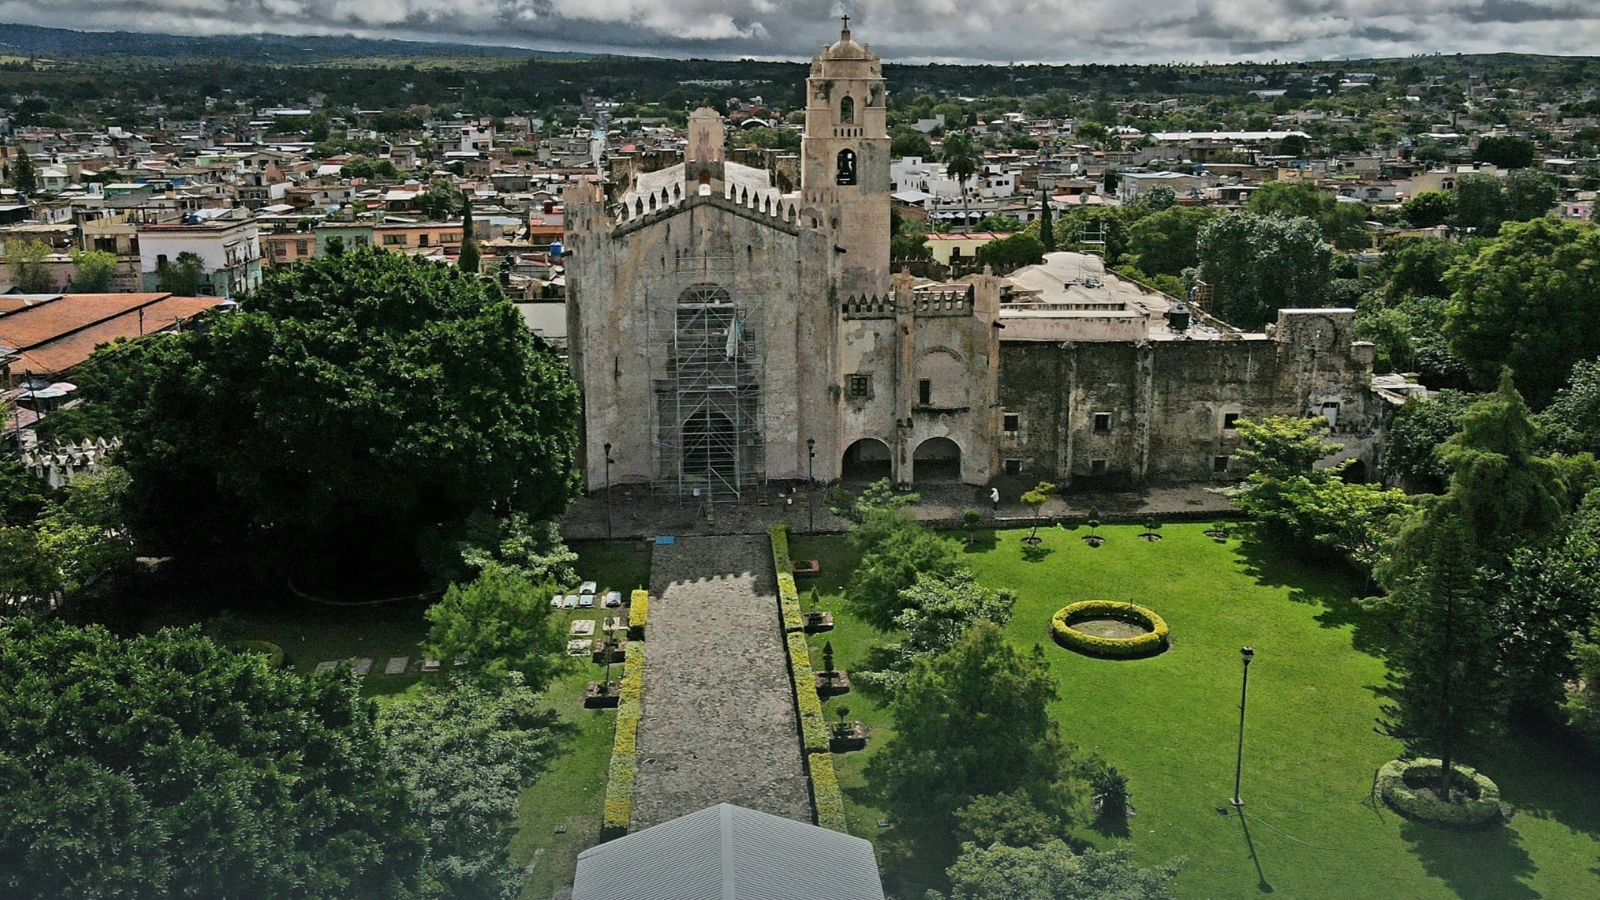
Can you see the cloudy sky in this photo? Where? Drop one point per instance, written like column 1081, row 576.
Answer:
column 902, row 30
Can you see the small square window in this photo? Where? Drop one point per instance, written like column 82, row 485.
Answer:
column 1013, row 422
column 1229, row 421
column 1102, row 423
column 1219, row 464
column 1097, row 467
column 925, row 392
column 1014, row 468
column 857, row 386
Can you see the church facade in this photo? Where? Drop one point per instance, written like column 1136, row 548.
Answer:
column 726, row 333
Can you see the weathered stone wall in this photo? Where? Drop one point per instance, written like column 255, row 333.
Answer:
column 1166, row 401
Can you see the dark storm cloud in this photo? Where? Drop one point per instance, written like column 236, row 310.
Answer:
column 986, row 30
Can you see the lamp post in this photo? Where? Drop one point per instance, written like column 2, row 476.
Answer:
column 811, row 482
column 1247, row 654
column 608, row 491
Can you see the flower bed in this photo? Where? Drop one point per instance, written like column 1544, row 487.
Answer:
column 827, row 797
column 638, row 614
column 1154, row 641
column 1423, row 805
column 624, row 747
column 788, row 594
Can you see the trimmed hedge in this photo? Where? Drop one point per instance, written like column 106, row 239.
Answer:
column 788, row 594
column 1395, row 792
column 1148, row 644
column 624, row 747
column 825, row 792
column 813, row 725
column 638, row 614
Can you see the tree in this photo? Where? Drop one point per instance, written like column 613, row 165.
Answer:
column 205, row 773
column 532, row 549
column 468, row 260
column 909, row 240
column 971, row 722
column 1167, row 242
column 1414, row 436
column 1160, row 198
column 1505, row 152
column 909, row 142
column 1571, row 423
column 1011, row 253
column 962, row 159
column 24, row 178
column 93, row 271
column 1047, row 223
column 30, row 267
column 1035, row 500
column 970, row 520
column 1054, row 872
column 1442, row 685
column 1342, row 223
column 1548, row 593
column 466, row 754
column 1529, row 195
column 1582, row 705
column 1480, row 204
column 894, row 551
column 937, row 611
column 185, row 276
column 1260, row 264
column 1430, row 208
column 1523, row 302
column 354, row 411
column 498, row 625
column 22, row 495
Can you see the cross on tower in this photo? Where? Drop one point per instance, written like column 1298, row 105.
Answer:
column 846, row 22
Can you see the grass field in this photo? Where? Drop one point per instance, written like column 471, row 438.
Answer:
column 1170, row 723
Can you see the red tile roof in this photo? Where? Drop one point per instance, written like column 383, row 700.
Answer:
column 53, row 337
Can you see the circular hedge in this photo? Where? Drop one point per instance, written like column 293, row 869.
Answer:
column 1417, row 805
column 1148, row 644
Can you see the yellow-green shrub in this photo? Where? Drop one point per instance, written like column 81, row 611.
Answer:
column 624, row 747
column 788, row 594
column 825, row 793
column 1148, row 644
column 638, row 614
column 1463, row 812
column 813, row 726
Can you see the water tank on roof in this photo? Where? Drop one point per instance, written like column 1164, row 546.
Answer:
column 1178, row 317
column 555, row 249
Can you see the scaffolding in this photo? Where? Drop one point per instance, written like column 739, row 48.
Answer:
column 706, row 368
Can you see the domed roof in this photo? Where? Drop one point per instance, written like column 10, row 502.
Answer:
column 846, row 47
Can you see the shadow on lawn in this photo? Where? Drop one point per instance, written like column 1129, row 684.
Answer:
column 1329, row 583
column 1477, row 865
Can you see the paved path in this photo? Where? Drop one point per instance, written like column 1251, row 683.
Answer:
column 635, row 513
column 718, row 722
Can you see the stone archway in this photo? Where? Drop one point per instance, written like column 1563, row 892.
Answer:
column 936, row 459
column 866, row 460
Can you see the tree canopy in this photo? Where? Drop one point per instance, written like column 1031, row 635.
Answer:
column 498, row 624
column 355, row 409
column 1260, row 264
column 170, row 767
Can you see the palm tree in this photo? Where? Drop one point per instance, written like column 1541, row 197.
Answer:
column 961, row 159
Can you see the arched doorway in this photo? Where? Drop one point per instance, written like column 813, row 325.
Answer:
column 866, row 460
column 936, row 459
column 710, row 448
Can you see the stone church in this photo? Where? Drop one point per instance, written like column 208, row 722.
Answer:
column 726, row 333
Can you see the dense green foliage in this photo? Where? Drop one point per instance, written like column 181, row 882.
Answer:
column 353, row 411
column 30, row 273
column 1052, row 871
column 497, row 625
column 1011, row 253
column 74, row 539
column 1524, row 302
column 1412, row 440
column 1167, row 242
column 168, row 767
column 466, row 754
column 93, row 271
column 185, row 275
column 1260, row 264
column 1505, row 151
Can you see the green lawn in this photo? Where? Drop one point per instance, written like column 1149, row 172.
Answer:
column 570, row 795
column 1170, row 723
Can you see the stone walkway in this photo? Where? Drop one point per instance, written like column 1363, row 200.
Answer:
column 635, row 513
column 718, row 722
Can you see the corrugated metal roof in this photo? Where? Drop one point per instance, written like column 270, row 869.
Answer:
column 727, row 852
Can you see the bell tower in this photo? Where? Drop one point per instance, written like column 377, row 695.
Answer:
column 845, row 160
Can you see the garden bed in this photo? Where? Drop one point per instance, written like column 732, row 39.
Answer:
column 1412, row 788
column 1109, row 629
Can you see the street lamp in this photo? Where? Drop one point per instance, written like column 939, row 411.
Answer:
column 1247, row 653
column 811, row 482
column 608, row 491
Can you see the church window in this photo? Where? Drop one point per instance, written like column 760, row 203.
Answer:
column 1219, row 464
column 925, row 392
column 858, row 386
column 1229, row 421
column 846, row 173
column 1014, row 468
column 1013, row 423
column 1097, row 467
column 1102, row 423
column 847, row 110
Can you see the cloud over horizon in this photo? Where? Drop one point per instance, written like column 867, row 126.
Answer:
column 1056, row 31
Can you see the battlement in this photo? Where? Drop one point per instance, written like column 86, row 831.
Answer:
column 941, row 300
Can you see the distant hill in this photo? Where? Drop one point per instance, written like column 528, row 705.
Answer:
column 63, row 43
